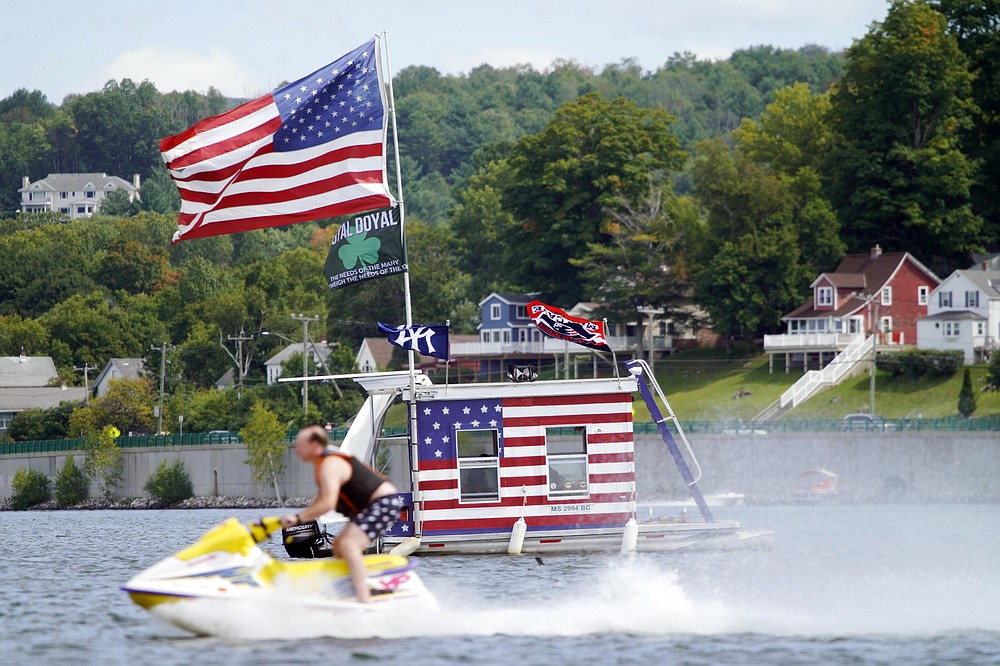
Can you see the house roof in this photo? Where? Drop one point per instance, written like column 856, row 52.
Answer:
column 879, row 269
column 321, row 348
column 952, row 315
column 808, row 310
column 38, row 397
column 843, row 280
column 513, row 299
column 986, row 281
column 26, row 371
column 77, row 182
column 121, row 368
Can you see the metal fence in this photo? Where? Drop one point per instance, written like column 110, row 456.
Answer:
column 151, row 441
column 987, row 424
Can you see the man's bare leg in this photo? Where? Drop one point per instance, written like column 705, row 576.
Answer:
column 350, row 546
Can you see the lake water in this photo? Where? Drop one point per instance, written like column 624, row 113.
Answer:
column 915, row 584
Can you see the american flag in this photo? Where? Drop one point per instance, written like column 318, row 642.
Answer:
column 312, row 149
column 608, row 501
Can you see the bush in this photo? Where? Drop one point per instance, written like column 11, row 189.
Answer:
column 30, row 486
column 917, row 363
column 169, row 484
column 71, row 484
column 966, row 397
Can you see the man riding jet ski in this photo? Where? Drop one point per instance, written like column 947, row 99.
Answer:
column 226, row 565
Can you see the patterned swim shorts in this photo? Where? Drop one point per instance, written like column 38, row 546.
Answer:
column 379, row 516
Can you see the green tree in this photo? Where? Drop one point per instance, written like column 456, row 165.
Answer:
column 169, row 484
column 976, row 26
column 71, row 485
column 644, row 265
column 119, row 203
column 102, row 461
column 899, row 176
column 966, row 396
column 127, row 407
column 17, row 333
column 592, row 154
column 30, row 487
column 266, row 450
column 39, row 424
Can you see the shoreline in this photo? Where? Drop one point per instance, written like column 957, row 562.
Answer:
column 148, row 503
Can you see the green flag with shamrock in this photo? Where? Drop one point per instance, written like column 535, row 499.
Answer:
column 366, row 247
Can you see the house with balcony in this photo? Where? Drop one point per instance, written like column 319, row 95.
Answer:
column 508, row 336
column 75, row 194
column 882, row 292
column 964, row 314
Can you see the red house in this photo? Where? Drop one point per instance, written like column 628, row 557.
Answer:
column 880, row 291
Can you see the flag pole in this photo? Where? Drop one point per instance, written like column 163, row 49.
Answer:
column 614, row 358
column 412, row 411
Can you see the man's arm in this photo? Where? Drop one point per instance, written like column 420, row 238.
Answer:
column 333, row 471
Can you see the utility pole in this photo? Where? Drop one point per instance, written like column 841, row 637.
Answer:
column 871, row 380
column 305, row 319
column 652, row 312
column 86, row 383
column 163, row 371
column 241, row 366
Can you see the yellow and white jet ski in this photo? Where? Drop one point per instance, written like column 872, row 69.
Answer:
column 226, row 565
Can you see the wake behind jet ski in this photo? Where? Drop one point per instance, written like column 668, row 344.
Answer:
column 226, row 565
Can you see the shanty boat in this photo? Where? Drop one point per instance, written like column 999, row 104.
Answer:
column 530, row 467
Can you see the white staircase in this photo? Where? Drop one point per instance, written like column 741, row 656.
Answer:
column 845, row 364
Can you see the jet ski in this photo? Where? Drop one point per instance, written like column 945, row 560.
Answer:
column 226, row 568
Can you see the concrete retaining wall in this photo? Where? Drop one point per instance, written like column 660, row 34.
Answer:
column 870, row 466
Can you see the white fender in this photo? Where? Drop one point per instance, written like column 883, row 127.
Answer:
column 517, row 537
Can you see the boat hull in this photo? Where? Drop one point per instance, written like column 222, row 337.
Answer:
column 652, row 536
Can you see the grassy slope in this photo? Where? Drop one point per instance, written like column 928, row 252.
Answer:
column 706, row 393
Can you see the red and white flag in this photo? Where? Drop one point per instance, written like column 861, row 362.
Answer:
column 312, row 149
column 555, row 323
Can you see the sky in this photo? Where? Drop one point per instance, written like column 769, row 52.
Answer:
column 246, row 48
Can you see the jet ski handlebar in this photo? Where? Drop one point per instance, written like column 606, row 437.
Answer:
column 262, row 528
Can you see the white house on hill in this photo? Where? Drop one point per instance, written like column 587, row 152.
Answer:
column 964, row 314
column 75, row 194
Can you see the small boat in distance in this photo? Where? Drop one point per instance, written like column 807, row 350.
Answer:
column 816, row 486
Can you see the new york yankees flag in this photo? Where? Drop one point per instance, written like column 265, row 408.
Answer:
column 426, row 340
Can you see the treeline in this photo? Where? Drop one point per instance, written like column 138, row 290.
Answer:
column 726, row 185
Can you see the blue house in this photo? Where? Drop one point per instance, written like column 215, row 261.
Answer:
column 505, row 320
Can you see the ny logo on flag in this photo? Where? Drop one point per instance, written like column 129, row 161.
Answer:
column 434, row 339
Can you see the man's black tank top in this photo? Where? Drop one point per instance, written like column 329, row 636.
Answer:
column 356, row 492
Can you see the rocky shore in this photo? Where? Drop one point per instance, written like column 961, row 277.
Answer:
column 150, row 503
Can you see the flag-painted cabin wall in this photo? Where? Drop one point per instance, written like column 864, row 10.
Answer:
column 558, row 454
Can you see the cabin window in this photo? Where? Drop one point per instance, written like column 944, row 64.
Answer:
column 521, row 312
column 495, row 311
column 886, row 295
column 824, row 296
column 951, row 329
column 922, row 295
column 566, row 453
column 944, row 299
column 972, row 299
column 478, row 466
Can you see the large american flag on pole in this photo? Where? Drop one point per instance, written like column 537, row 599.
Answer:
column 524, row 467
column 312, row 149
